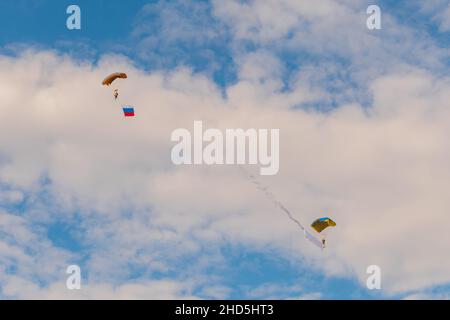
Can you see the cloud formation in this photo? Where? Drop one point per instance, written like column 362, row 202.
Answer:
column 378, row 167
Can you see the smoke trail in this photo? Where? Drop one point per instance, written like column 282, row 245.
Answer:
column 279, row 205
column 276, row 202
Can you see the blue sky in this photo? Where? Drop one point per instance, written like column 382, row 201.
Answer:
column 108, row 27
column 225, row 48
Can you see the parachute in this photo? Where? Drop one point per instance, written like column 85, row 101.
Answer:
column 322, row 223
column 113, row 76
column 127, row 111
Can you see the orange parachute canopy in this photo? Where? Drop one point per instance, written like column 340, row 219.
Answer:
column 113, row 76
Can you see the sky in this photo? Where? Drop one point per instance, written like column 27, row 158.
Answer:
column 364, row 124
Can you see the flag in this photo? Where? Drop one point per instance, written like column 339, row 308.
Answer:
column 313, row 239
column 128, row 111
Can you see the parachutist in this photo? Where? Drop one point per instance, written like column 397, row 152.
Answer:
column 128, row 111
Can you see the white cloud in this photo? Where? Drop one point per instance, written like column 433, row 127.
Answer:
column 276, row 291
column 427, row 296
column 25, row 255
column 156, row 290
column 11, row 196
column 381, row 172
column 440, row 11
column 331, row 33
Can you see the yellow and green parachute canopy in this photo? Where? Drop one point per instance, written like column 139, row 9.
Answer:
column 322, row 223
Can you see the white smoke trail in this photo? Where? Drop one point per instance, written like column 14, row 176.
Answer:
column 279, row 205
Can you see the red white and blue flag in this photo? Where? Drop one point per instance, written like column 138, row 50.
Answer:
column 128, row 111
